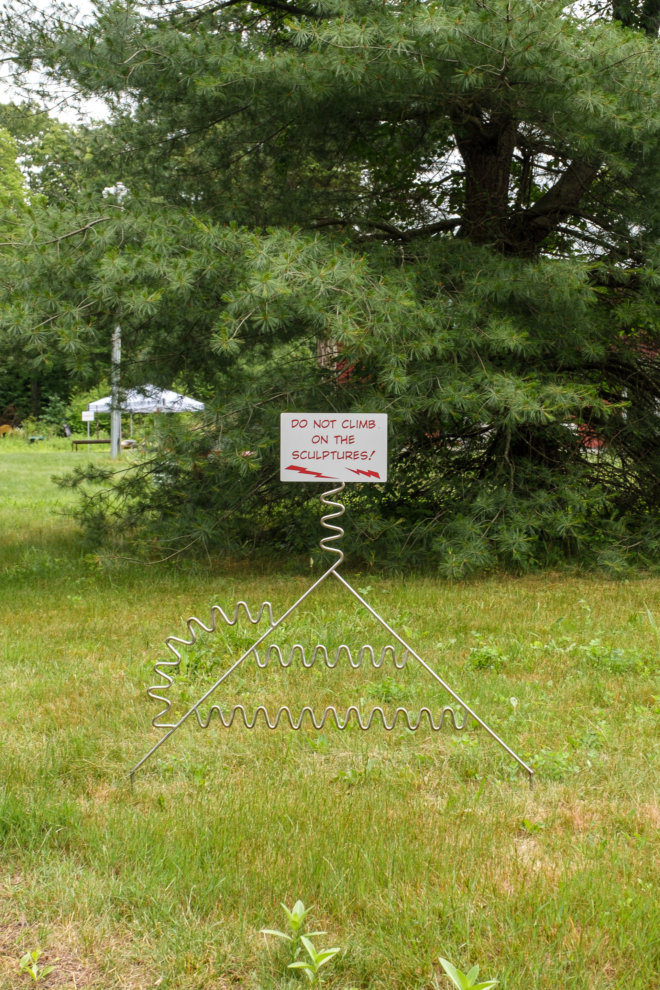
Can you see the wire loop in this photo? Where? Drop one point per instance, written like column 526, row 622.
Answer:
column 325, row 522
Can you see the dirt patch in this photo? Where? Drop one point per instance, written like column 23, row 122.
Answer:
column 649, row 813
column 583, row 817
column 70, row 970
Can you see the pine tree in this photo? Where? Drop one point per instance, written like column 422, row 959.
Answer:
column 457, row 200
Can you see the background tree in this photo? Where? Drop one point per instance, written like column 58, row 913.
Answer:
column 40, row 169
column 458, row 200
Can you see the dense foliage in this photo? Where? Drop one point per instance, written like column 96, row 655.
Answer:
column 447, row 212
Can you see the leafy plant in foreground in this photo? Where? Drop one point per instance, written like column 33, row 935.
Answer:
column 296, row 928
column 463, row 981
column 29, row 964
column 299, row 939
column 310, row 967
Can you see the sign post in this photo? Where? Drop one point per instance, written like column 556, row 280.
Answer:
column 115, row 410
column 88, row 417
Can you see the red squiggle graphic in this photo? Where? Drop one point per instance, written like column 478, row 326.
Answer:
column 367, row 474
column 314, row 474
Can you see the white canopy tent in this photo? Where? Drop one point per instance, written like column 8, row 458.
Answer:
column 148, row 399
column 143, row 399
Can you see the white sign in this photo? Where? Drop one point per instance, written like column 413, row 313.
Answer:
column 87, row 416
column 333, row 447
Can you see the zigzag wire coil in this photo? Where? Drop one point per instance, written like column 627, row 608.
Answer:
column 364, row 720
column 162, row 667
column 274, row 654
column 165, row 669
column 366, row 656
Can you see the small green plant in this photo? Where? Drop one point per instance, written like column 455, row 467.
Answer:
column 387, row 690
column 354, row 775
column 530, row 827
column 463, row 981
column 486, row 656
column 554, row 764
column 612, row 660
column 296, row 928
column 197, row 664
column 300, row 939
column 310, row 967
column 30, row 964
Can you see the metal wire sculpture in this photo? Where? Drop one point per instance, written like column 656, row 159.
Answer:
column 167, row 669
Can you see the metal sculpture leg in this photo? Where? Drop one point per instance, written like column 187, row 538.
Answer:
column 320, row 653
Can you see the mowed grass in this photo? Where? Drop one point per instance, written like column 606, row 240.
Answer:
column 409, row 845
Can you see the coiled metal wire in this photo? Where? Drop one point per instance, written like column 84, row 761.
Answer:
column 366, row 656
column 165, row 669
column 363, row 720
column 325, row 522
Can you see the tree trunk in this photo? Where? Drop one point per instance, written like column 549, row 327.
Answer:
column 35, row 398
column 486, row 147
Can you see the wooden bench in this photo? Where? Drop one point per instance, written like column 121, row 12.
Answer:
column 76, row 443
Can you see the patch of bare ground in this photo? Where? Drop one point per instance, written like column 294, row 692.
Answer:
column 581, row 816
column 98, row 796
column 649, row 813
column 532, row 857
column 60, row 949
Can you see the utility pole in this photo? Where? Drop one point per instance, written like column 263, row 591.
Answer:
column 115, row 411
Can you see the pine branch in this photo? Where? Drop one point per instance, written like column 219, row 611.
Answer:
column 62, row 237
column 270, row 5
column 622, row 251
column 529, row 228
column 390, row 229
column 564, row 196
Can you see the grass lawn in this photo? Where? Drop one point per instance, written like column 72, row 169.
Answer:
column 409, row 845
